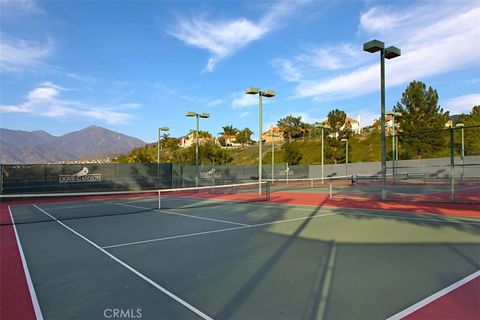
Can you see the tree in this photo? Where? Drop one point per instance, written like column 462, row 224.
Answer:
column 229, row 131
column 421, row 123
column 244, row 136
column 292, row 153
column 339, row 129
column 291, row 127
column 471, row 131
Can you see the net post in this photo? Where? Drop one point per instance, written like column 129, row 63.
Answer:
column 267, row 191
column 159, row 200
column 311, row 183
column 330, row 192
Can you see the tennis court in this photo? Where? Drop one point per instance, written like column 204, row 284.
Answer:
column 236, row 254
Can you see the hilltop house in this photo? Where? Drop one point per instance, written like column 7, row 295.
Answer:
column 277, row 133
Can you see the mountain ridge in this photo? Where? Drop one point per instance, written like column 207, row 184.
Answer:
column 39, row 146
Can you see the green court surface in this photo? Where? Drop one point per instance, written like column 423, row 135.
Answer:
column 239, row 261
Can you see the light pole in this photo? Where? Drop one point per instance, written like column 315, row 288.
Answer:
column 158, row 142
column 462, row 154
column 197, row 115
column 268, row 94
column 394, row 151
column 273, row 153
column 322, row 126
column 346, row 155
column 388, row 53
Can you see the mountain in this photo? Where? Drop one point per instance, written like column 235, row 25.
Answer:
column 17, row 146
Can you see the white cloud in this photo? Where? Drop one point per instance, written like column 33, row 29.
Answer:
column 224, row 37
column 244, row 114
column 462, row 104
column 18, row 54
column 444, row 41
column 46, row 101
column 244, row 100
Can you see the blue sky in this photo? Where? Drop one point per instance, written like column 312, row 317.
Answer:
column 132, row 66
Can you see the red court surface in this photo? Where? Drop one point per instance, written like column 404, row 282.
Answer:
column 15, row 300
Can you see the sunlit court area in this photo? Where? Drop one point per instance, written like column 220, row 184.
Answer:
column 240, row 160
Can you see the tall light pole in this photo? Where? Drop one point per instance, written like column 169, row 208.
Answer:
column 462, row 154
column 268, row 94
column 388, row 53
column 273, row 153
column 322, row 126
column 197, row 115
column 346, row 155
column 394, row 151
column 158, row 142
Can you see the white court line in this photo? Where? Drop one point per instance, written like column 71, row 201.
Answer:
column 93, row 205
column 434, row 297
column 215, row 231
column 150, row 281
column 31, row 288
column 182, row 214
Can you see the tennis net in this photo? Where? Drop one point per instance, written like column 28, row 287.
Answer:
column 35, row 208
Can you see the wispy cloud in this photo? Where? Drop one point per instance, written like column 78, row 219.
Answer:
column 222, row 38
column 215, row 102
column 47, row 101
column 462, row 104
column 172, row 92
column 242, row 100
column 18, row 54
column 444, row 41
column 13, row 8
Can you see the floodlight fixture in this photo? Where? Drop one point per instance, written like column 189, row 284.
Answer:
column 373, row 46
column 252, row 90
column 190, row 114
column 459, row 125
column 392, row 52
column 268, row 93
column 204, row 115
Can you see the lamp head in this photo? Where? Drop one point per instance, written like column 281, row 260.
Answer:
column 392, row 52
column 204, row 115
column 268, row 93
column 252, row 90
column 394, row 113
column 164, row 128
column 373, row 46
column 459, row 125
column 190, row 114
column 344, row 140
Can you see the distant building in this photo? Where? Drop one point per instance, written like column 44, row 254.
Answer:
column 188, row 141
column 278, row 135
column 354, row 124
